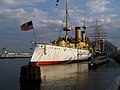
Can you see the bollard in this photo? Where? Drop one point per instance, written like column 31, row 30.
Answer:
column 30, row 73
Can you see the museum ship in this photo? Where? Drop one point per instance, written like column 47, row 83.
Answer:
column 65, row 49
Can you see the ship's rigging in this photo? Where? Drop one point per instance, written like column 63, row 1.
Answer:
column 98, row 36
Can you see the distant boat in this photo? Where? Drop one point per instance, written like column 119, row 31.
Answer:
column 8, row 55
column 64, row 49
column 15, row 55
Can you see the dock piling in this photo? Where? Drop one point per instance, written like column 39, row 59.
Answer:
column 30, row 73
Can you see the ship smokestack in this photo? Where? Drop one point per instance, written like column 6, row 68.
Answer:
column 77, row 34
column 83, row 36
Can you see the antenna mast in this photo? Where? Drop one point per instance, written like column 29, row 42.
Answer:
column 84, row 26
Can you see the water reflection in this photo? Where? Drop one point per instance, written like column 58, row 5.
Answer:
column 30, row 86
column 75, row 77
column 64, row 77
column 60, row 77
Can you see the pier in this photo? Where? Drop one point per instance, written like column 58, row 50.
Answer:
column 4, row 54
column 15, row 55
column 116, row 56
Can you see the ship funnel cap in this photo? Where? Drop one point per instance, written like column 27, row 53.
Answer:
column 77, row 27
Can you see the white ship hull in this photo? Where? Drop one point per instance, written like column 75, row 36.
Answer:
column 50, row 54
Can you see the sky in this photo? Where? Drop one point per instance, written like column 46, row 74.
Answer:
column 48, row 20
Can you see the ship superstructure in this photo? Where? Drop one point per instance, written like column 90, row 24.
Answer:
column 64, row 49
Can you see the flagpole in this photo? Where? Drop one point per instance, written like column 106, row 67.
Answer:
column 35, row 36
column 29, row 26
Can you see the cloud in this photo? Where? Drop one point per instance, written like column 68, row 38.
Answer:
column 47, row 21
column 113, row 30
column 107, row 18
column 12, row 13
column 22, row 15
column 7, row 2
column 29, row 2
column 16, row 3
column 11, row 19
column 98, row 5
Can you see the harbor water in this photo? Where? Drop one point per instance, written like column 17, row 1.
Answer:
column 74, row 76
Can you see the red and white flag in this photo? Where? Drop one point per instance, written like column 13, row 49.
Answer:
column 27, row 26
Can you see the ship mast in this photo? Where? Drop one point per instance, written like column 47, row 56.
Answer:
column 66, row 20
column 67, row 28
column 97, row 35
